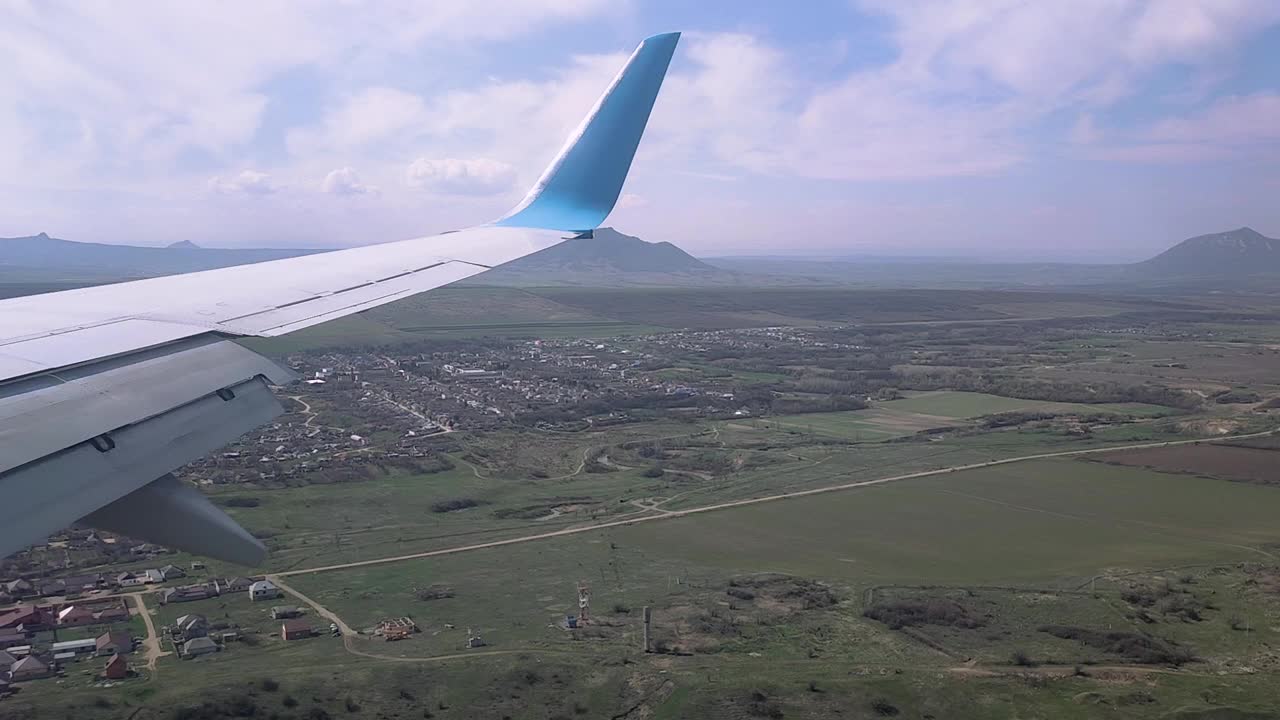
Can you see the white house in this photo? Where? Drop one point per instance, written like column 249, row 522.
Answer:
column 263, row 590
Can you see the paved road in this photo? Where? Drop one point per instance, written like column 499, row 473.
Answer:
column 755, row 501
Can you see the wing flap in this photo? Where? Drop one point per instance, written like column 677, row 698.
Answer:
column 59, row 489
column 44, row 414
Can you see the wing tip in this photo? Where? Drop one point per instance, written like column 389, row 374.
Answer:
column 582, row 184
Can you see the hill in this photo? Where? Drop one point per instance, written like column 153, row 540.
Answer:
column 41, row 256
column 1242, row 252
column 612, row 259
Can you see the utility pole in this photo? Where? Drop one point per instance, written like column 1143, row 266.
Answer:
column 647, row 617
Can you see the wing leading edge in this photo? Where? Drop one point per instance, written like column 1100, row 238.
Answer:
column 105, row 391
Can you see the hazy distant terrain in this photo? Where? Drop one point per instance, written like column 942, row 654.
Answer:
column 1241, row 259
column 49, row 256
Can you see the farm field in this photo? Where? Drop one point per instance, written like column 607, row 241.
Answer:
column 1229, row 462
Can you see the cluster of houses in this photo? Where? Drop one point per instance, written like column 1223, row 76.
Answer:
column 78, row 585
column 22, row 621
column 23, row 664
column 190, row 636
column 257, row 588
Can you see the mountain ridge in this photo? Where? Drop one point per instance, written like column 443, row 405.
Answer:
column 1240, row 252
column 42, row 252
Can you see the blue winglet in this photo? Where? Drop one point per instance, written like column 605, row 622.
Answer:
column 578, row 190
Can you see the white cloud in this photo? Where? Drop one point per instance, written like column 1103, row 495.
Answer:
column 139, row 87
column 248, row 182
column 451, row 176
column 345, row 181
column 368, row 117
column 1235, row 126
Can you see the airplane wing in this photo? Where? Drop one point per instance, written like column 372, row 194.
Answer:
column 104, row 391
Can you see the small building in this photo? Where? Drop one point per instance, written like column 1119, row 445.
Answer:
column 20, row 588
column 187, row 593
column 12, row 639
column 4, row 686
column 53, row 587
column 28, row 668
column 263, row 590
column 21, row 615
column 192, row 626
column 114, row 643
column 196, row 647
column 295, row 629
column 172, row 572
column 128, row 579
column 284, row 612
column 86, row 646
column 117, row 613
column 117, row 668
column 82, row 583
column 154, row 576
column 232, row 585
column 73, row 615
column 6, row 662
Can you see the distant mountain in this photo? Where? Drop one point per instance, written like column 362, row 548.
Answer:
column 609, row 259
column 1238, row 253
column 43, row 255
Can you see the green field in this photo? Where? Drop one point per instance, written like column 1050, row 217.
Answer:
column 1051, row 524
column 953, row 404
column 934, row 409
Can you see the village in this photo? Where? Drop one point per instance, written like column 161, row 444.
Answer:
column 98, row 625
column 354, row 412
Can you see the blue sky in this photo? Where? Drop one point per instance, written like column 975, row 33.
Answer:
column 1095, row 129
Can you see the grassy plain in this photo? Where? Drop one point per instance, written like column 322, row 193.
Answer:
column 1024, row 545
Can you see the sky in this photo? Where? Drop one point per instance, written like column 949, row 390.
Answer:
column 1100, row 130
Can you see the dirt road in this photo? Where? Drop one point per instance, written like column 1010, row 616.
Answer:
column 755, row 501
column 152, row 643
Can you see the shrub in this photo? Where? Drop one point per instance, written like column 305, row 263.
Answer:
column 909, row 613
column 884, row 708
column 454, row 504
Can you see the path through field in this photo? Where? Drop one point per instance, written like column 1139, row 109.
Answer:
column 755, row 501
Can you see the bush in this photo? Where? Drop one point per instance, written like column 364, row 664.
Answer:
column 884, row 708
column 653, row 471
column 1129, row 645
column 909, row 613
column 454, row 504
column 1022, row 659
column 240, row 502
column 434, row 592
column 269, row 685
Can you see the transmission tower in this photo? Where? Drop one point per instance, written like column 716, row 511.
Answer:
column 584, row 602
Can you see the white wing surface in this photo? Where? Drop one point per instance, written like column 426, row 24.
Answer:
column 104, row 391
